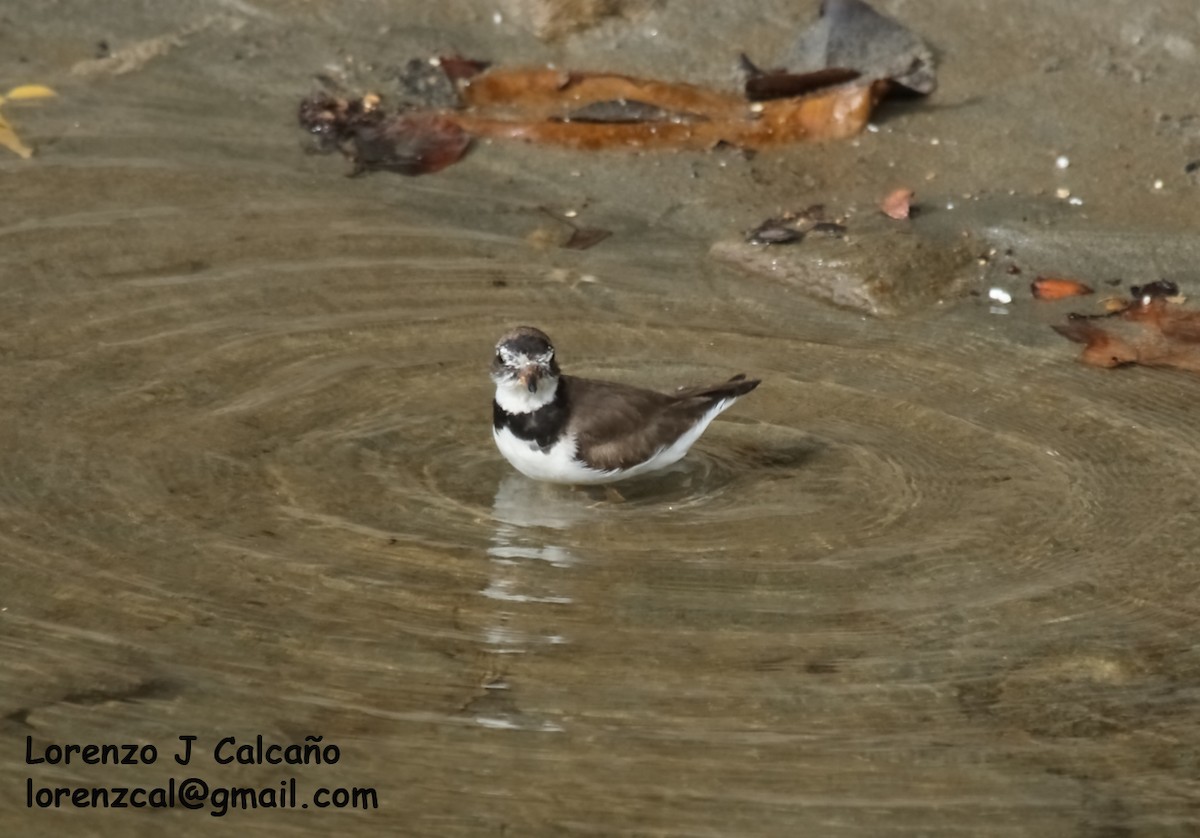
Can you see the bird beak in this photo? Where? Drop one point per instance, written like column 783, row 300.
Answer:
column 530, row 376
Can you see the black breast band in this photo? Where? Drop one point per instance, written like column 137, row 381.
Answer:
column 541, row 427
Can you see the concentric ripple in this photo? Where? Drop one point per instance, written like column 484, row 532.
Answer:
column 928, row 572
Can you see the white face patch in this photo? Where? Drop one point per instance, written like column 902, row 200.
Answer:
column 514, row 397
column 511, row 394
column 515, row 360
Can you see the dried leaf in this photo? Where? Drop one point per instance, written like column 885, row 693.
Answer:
column 897, row 204
column 537, row 104
column 1058, row 288
column 1149, row 330
column 578, row 110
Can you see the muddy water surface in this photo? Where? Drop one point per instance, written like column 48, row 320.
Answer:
column 931, row 578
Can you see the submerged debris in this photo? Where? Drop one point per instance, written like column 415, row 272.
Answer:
column 792, row 227
column 581, row 238
column 831, row 229
column 551, row 19
column 585, row 238
column 850, row 34
column 1163, row 288
column 1153, row 329
column 774, row 231
column 410, row 143
column 762, row 86
column 433, row 83
column 134, row 56
column 868, row 264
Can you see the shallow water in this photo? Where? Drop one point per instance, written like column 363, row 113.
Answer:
column 931, row 578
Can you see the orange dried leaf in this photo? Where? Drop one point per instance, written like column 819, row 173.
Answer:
column 1058, row 288
column 548, row 93
column 588, row 111
column 537, row 104
column 897, row 204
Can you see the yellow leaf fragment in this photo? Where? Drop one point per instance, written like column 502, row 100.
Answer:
column 29, row 91
column 8, row 137
column 10, row 140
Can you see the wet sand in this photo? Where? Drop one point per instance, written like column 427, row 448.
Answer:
column 933, row 577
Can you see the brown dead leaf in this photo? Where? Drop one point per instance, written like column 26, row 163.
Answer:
column 410, row 142
column 1150, row 330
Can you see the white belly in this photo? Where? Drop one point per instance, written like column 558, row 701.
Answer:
column 556, row 465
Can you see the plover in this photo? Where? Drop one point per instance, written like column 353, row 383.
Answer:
column 564, row 429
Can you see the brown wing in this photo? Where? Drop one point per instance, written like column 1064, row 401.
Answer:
column 618, row 426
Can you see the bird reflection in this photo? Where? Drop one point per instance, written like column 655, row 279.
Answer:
column 519, row 553
column 527, row 580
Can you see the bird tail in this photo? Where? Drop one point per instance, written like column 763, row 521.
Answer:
column 737, row 386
